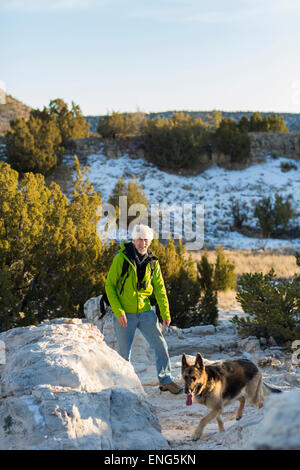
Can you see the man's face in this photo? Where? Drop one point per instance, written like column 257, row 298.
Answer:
column 141, row 245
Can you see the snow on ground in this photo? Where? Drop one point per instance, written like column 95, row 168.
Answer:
column 214, row 188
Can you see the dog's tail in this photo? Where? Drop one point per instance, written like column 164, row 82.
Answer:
column 267, row 389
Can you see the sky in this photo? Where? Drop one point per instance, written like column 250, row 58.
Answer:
column 152, row 56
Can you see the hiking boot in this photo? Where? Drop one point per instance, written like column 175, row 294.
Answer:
column 172, row 387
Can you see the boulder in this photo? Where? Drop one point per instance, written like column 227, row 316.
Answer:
column 141, row 353
column 63, row 387
column 280, row 426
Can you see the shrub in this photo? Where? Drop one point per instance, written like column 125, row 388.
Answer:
column 34, row 145
column 272, row 307
column 38, row 144
column 205, row 272
column 51, row 259
column 181, row 283
column 287, row 166
column 121, row 125
column 219, row 277
column 224, row 275
column 257, row 123
column 208, row 308
column 213, row 278
column 274, row 215
column 230, row 140
column 239, row 213
column 71, row 123
column 176, row 142
column 135, row 195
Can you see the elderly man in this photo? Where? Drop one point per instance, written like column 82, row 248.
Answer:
column 128, row 291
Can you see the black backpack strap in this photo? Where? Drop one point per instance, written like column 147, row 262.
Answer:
column 102, row 306
column 104, row 302
column 125, row 267
column 152, row 267
column 124, row 271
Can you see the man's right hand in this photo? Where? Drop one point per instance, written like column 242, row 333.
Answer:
column 123, row 320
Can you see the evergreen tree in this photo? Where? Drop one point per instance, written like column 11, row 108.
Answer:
column 257, row 123
column 176, row 142
column 274, row 214
column 71, row 123
column 272, row 307
column 134, row 193
column 38, row 145
column 214, row 119
column 224, row 274
column 50, row 255
column 181, row 282
column 121, row 125
column 208, row 309
column 244, row 124
column 34, row 145
column 276, row 124
column 230, row 140
column 206, row 272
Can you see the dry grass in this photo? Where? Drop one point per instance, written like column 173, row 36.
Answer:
column 251, row 261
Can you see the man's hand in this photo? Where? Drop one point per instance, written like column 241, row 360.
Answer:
column 123, row 320
column 166, row 323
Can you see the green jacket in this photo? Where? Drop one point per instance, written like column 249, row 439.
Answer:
column 127, row 298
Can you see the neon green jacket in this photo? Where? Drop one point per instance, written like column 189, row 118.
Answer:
column 129, row 299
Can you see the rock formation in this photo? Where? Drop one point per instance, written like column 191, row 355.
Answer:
column 63, row 387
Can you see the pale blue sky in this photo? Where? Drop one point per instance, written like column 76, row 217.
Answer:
column 153, row 55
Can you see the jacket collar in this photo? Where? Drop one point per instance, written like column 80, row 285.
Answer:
column 128, row 249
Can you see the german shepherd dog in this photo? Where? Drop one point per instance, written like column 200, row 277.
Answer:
column 220, row 384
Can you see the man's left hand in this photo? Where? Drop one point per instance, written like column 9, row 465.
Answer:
column 166, row 323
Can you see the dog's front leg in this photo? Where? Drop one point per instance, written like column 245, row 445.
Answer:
column 220, row 424
column 204, row 421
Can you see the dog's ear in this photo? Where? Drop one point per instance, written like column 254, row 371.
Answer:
column 199, row 362
column 184, row 361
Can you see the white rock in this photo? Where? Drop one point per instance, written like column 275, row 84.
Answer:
column 280, row 427
column 141, row 352
column 251, row 345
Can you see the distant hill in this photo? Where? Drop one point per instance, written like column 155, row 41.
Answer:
column 12, row 109
column 292, row 120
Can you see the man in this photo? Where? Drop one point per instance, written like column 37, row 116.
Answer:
column 128, row 296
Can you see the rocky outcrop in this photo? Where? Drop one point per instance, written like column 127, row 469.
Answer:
column 87, row 146
column 63, row 387
column 280, row 426
column 275, row 143
column 261, row 144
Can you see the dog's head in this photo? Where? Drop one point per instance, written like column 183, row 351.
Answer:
column 194, row 377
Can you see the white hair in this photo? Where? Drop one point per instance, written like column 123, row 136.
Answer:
column 142, row 231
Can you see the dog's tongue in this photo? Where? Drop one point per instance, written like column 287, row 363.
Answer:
column 189, row 399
